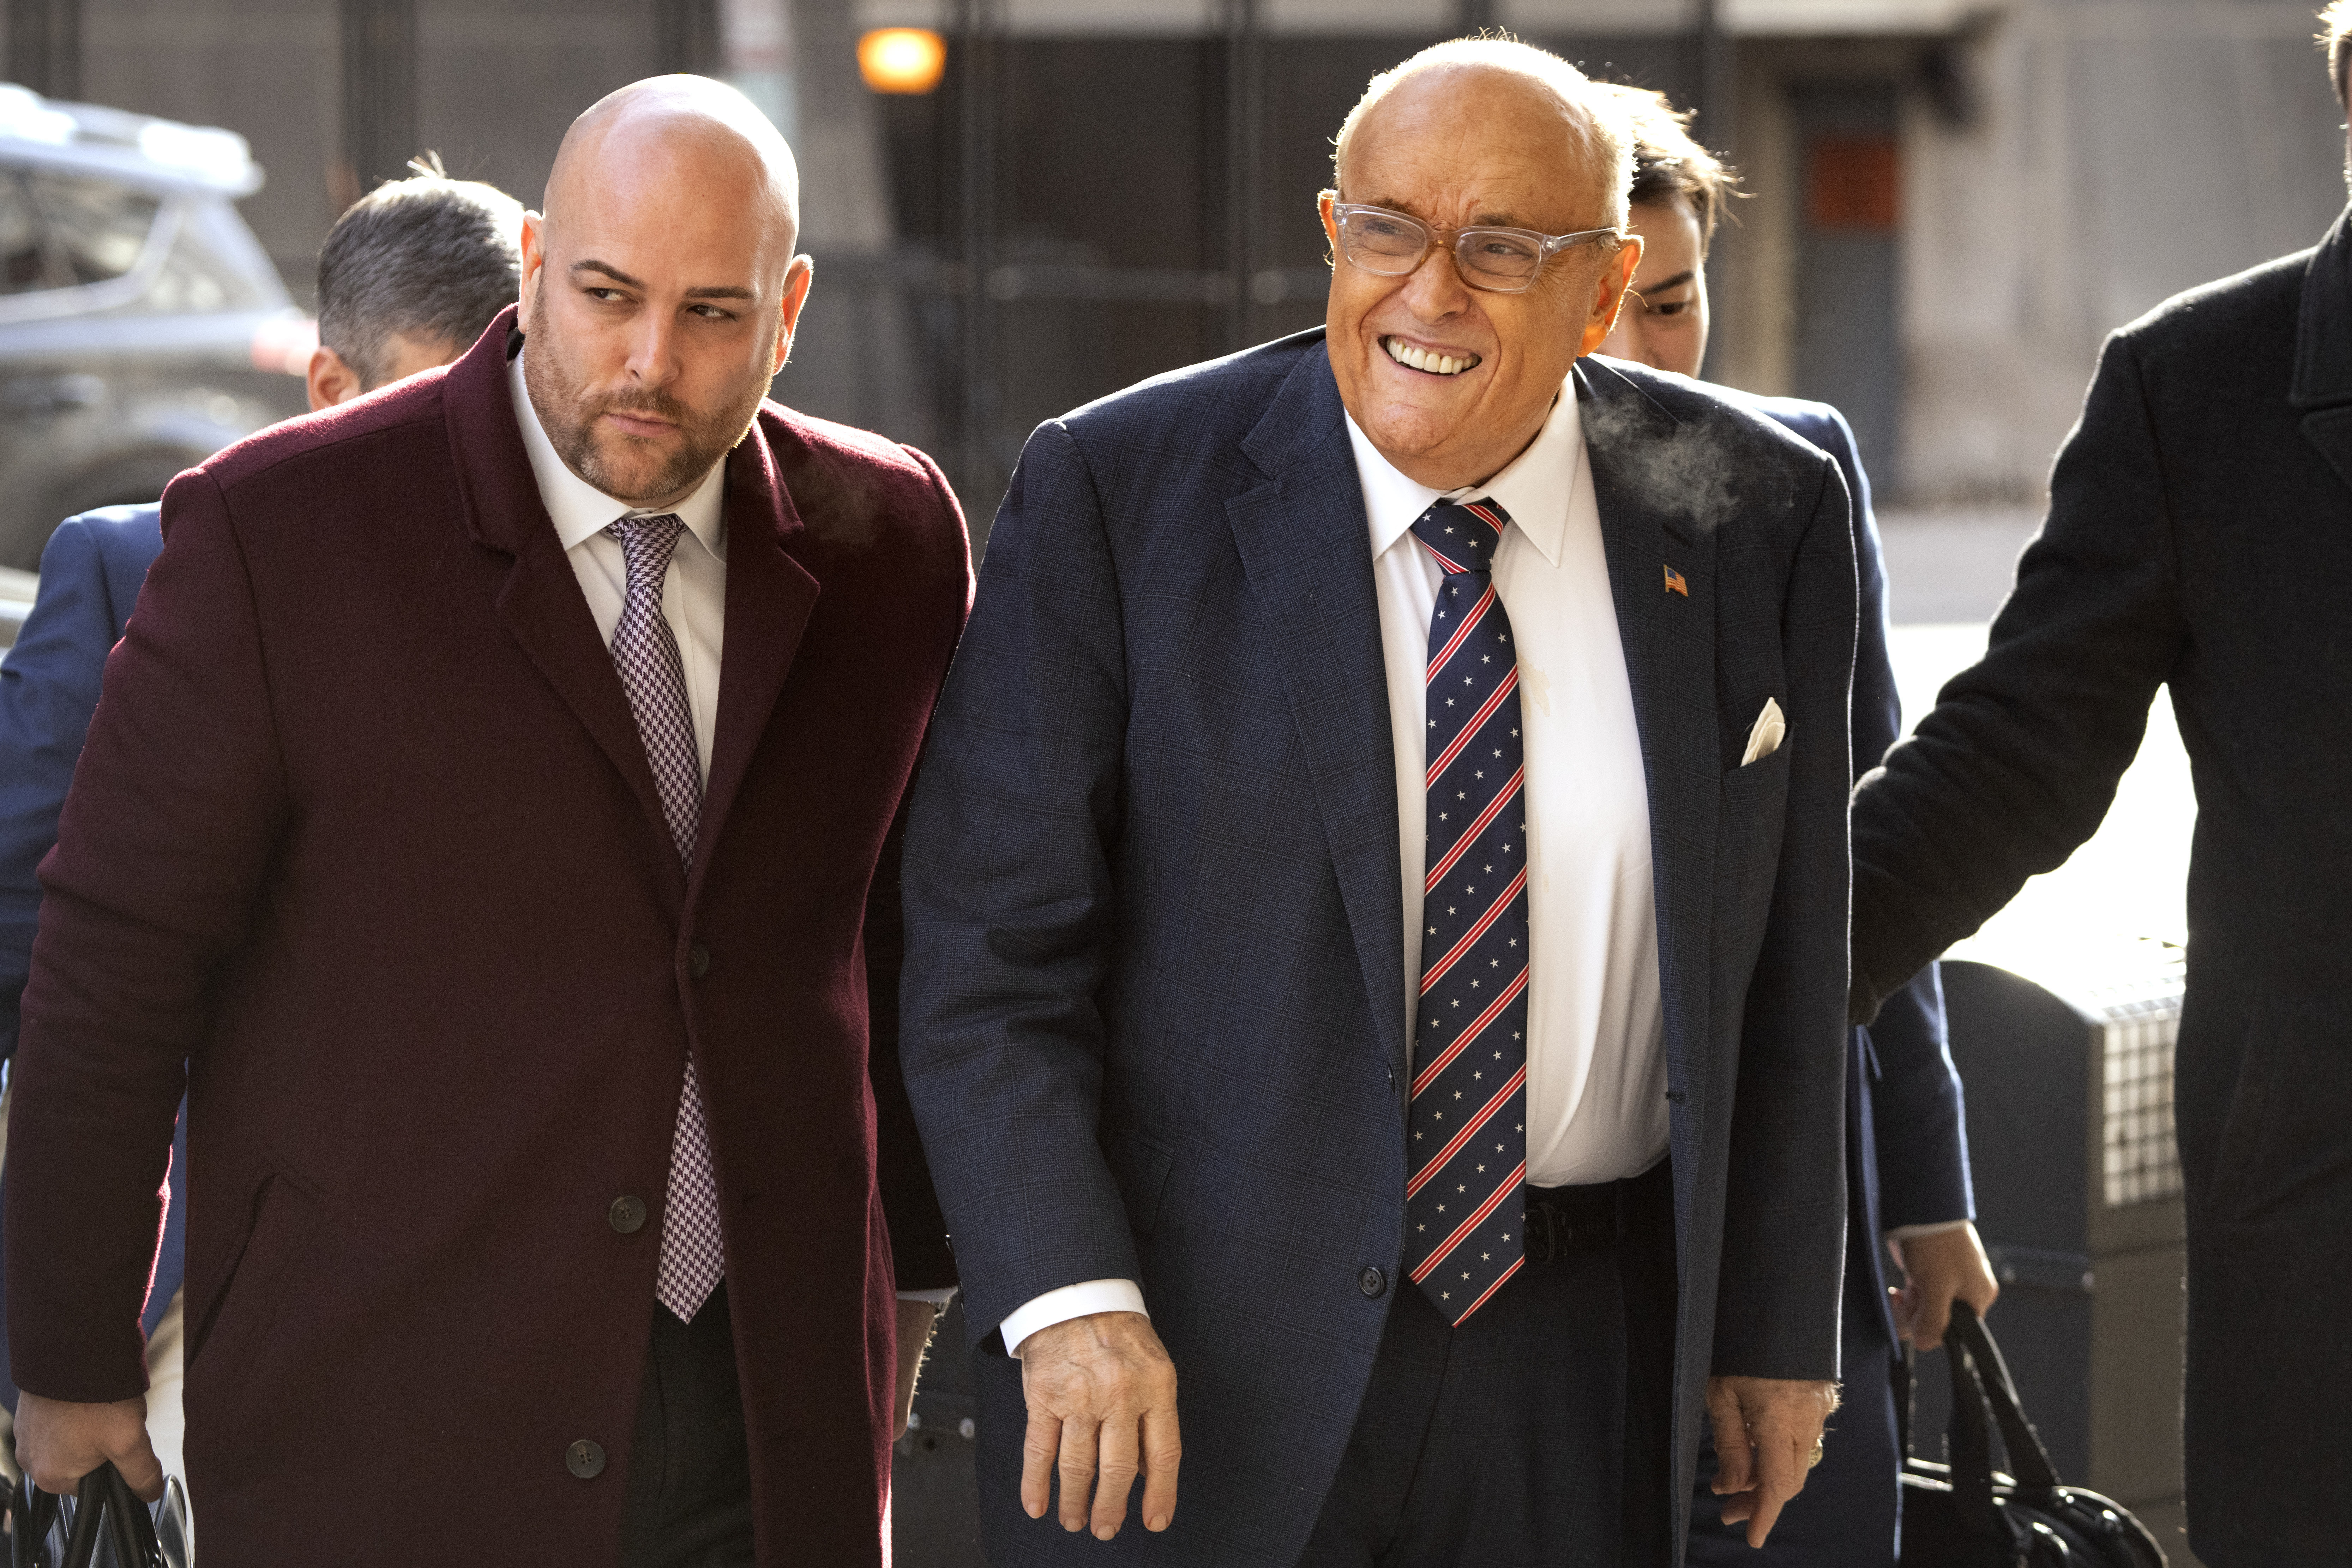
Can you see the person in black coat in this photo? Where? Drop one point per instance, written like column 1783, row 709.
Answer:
column 2200, row 537
column 1906, row 1148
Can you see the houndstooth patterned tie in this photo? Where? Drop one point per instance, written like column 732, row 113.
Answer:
column 645, row 650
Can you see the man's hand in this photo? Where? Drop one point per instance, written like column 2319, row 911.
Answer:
column 915, row 1320
column 59, row 1443
column 1936, row 1269
column 1765, row 1430
column 1102, row 1398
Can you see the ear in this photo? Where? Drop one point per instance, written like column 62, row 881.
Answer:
column 534, row 257
column 797, row 280
column 330, row 380
column 1609, row 293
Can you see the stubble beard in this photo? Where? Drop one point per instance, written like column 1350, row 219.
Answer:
column 568, row 413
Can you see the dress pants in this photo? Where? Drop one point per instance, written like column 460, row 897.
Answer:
column 688, row 1499
column 1533, row 1433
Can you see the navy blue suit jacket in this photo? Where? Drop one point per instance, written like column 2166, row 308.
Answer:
column 1154, row 1020
column 1912, row 1166
column 91, row 574
column 1906, row 1157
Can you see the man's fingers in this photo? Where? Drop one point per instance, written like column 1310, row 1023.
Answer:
column 1078, row 1471
column 1162, row 1448
column 1118, row 1456
column 141, row 1468
column 1037, row 1450
column 1904, row 1306
column 1764, row 1513
column 1733, row 1471
column 1933, row 1315
column 1781, row 1475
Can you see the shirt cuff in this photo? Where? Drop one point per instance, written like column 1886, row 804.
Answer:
column 938, row 1299
column 1911, row 1232
column 1070, row 1301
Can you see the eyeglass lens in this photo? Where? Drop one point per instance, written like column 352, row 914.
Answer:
column 1390, row 244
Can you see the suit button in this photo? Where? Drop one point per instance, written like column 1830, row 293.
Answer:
column 1371, row 1281
column 698, row 960
column 584, row 1459
column 628, row 1214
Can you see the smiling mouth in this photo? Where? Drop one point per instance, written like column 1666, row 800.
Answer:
column 1421, row 360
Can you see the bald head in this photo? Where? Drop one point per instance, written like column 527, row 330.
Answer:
column 1449, row 372
column 660, row 288
column 1557, row 114
column 669, row 126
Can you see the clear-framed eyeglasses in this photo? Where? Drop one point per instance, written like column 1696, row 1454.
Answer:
column 1500, row 260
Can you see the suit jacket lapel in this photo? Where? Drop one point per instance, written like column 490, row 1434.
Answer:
column 542, row 602
column 2323, row 349
column 769, row 596
column 1306, row 545
column 1669, row 642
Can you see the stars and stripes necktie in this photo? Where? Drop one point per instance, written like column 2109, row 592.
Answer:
column 1468, row 1117
column 645, row 650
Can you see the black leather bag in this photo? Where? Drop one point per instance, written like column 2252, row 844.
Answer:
column 103, row 1525
column 1969, row 1515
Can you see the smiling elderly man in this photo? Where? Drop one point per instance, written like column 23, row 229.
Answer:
column 1377, row 882
column 491, row 803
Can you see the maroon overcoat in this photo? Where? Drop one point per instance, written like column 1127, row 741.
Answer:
column 365, row 836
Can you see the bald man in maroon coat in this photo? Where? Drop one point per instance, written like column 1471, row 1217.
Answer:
column 490, row 817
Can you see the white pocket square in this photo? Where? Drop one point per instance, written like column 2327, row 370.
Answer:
column 1765, row 739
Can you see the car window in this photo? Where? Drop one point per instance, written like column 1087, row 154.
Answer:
column 101, row 226
column 193, row 279
column 24, row 265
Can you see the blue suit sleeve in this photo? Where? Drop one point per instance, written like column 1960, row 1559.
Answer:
column 49, row 690
column 1915, row 1096
column 1007, row 888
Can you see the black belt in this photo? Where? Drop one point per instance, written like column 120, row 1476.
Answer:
column 1568, row 1222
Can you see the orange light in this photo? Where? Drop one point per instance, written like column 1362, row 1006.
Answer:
column 902, row 60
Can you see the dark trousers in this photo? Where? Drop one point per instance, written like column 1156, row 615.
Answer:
column 688, row 1502
column 1535, row 1433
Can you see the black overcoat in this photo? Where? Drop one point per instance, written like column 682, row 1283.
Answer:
column 2200, row 537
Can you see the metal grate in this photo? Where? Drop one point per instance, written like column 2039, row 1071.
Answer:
column 2140, row 1157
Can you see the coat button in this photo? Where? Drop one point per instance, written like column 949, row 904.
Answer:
column 628, row 1214
column 698, row 960
column 1371, row 1281
column 584, row 1459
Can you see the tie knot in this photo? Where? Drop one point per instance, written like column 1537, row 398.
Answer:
column 1463, row 535
column 647, row 544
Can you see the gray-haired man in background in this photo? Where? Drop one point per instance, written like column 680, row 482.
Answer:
column 409, row 277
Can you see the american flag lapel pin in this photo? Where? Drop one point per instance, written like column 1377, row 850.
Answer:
column 1674, row 583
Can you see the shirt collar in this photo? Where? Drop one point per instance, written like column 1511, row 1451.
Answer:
column 1534, row 489
column 580, row 511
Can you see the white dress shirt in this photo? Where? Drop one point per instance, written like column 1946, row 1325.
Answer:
column 694, row 594
column 1596, row 1063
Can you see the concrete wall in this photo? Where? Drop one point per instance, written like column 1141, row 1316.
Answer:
column 2094, row 159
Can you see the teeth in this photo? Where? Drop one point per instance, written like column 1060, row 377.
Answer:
column 1422, row 359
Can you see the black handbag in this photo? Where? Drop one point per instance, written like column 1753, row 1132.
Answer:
column 1968, row 1515
column 103, row 1525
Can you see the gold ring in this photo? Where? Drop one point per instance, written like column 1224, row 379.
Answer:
column 1816, row 1457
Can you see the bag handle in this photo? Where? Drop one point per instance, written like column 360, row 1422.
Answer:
column 103, row 1504
column 2028, row 1459
column 1969, row 1439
